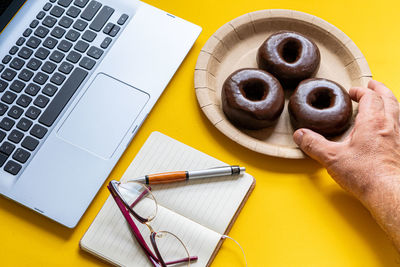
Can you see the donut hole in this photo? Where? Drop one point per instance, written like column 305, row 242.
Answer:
column 321, row 98
column 255, row 90
column 291, row 51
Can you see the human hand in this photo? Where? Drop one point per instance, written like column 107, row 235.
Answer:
column 367, row 162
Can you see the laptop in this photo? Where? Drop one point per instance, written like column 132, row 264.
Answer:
column 77, row 80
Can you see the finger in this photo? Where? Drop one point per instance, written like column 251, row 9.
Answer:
column 370, row 104
column 389, row 100
column 315, row 145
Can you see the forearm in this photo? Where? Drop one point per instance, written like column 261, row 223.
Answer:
column 384, row 205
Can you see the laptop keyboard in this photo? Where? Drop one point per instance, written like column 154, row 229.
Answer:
column 44, row 69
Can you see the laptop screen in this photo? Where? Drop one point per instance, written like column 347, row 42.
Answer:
column 8, row 8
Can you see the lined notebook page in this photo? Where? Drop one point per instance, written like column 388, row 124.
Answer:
column 110, row 238
column 198, row 212
column 210, row 202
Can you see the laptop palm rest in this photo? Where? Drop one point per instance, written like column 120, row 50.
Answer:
column 103, row 116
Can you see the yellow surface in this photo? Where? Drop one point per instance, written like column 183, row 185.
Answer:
column 296, row 216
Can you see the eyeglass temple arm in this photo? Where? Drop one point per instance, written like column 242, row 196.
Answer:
column 134, row 229
column 142, row 195
column 194, row 258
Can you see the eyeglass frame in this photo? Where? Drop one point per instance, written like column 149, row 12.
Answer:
column 126, row 210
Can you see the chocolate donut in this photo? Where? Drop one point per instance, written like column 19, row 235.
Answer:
column 290, row 57
column 252, row 98
column 322, row 106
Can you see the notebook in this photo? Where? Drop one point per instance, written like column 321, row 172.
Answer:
column 199, row 212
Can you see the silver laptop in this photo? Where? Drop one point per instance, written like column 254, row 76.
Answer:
column 77, row 80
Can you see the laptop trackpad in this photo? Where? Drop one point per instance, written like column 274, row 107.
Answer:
column 103, row 116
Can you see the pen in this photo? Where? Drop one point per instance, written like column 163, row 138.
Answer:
column 178, row 176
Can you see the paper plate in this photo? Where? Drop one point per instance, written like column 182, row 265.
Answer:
column 234, row 46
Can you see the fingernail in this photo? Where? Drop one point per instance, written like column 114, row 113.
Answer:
column 298, row 136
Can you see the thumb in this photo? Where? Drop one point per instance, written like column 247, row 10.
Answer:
column 314, row 145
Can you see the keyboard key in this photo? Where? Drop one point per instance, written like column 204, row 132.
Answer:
column 42, row 53
column 57, row 32
column 20, row 41
column 58, row 103
column 17, row 86
column 3, row 159
column 15, row 112
column 40, row 15
column 3, row 109
column 81, row 46
column 17, row 63
column 49, row 67
column 13, row 50
column 34, row 64
column 80, row 25
column 12, row 167
column 50, row 42
column 6, row 59
column 30, row 143
column 24, row 101
column 65, row 22
column 41, row 32
column 6, row 123
column 32, row 112
column 1, row 67
column 25, row 75
column 49, row 21
column 56, row 56
column 25, row 52
column 24, row 124
column 41, row 101
column 73, row 57
column 87, row 63
column 64, row 46
column 95, row 52
column 7, row 148
column 89, row 36
column 38, row 131
column 66, row 67
column 33, row 42
column 8, row 74
column 108, row 28
column 32, row 89
column 72, row 35
column 64, row 3
column 81, row 3
column 101, row 18
column 34, row 23
column 49, row 89
column 57, row 11
column 27, row 32
column 3, row 85
column 2, row 135
column 41, row 78
column 73, row 12
column 57, row 78
column 21, row 155
column 91, row 10
column 8, row 97
column 114, row 31
column 47, row 7
column 122, row 19
column 15, row 136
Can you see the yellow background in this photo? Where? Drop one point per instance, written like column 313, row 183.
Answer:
column 296, row 216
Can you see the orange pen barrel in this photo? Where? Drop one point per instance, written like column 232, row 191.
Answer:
column 167, row 177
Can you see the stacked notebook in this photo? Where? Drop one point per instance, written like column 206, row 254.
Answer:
column 198, row 212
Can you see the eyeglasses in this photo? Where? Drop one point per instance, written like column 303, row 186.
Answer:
column 135, row 199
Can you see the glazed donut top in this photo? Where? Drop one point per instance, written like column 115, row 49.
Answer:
column 254, row 91
column 320, row 102
column 290, row 56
